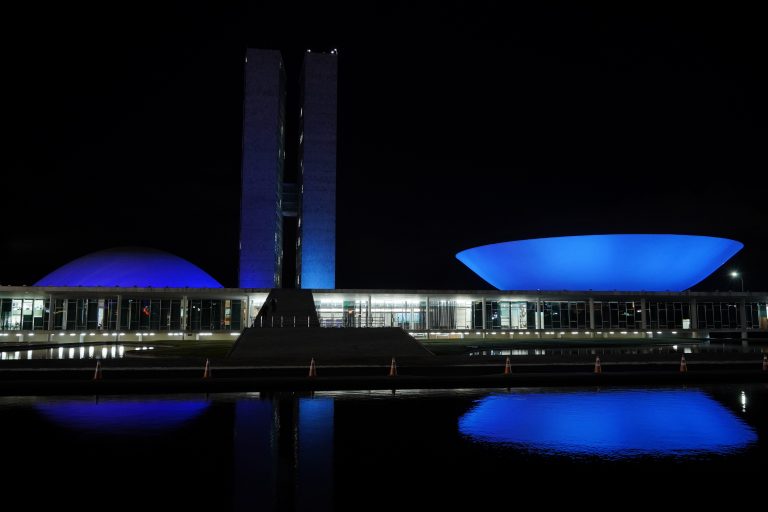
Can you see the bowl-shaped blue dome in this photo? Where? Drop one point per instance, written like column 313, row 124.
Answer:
column 128, row 267
column 600, row 262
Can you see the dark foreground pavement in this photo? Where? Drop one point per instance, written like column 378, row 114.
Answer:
column 179, row 375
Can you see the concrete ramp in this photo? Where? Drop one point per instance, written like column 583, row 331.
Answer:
column 285, row 307
column 327, row 345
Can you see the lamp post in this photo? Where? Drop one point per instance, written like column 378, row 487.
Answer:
column 738, row 274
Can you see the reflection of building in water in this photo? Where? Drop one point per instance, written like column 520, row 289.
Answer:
column 315, row 454
column 613, row 423
column 71, row 350
column 121, row 416
column 254, row 478
column 296, row 435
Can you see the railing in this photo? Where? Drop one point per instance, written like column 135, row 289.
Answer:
column 282, row 321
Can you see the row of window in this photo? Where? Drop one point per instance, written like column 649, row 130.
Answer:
column 229, row 314
column 508, row 315
column 135, row 314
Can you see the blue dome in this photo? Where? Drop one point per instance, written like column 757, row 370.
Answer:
column 128, row 267
column 601, row 262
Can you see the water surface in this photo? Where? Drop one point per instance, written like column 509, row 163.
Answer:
column 366, row 450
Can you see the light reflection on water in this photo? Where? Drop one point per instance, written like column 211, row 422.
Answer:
column 353, row 450
column 111, row 351
column 117, row 416
column 609, row 424
column 628, row 350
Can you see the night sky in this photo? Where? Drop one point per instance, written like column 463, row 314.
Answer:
column 459, row 125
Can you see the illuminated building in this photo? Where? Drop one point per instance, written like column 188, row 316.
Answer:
column 590, row 287
column 265, row 198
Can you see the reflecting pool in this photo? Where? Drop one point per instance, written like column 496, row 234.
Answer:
column 472, row 449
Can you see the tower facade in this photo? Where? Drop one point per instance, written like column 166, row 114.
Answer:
column 265, row 199
column 261, row 242
column 316, row 231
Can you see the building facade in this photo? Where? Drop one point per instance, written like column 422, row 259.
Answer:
column 265, row 198
column 316, row 233
column 34, row 313
column 261, row 221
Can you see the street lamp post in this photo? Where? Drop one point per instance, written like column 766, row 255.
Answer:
column 738, row 274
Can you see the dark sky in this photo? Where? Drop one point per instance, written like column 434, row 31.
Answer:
column 460, row 124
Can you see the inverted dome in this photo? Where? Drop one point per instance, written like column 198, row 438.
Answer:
column 600, row 262
column 128, row 267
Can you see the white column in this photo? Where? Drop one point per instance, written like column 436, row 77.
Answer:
column 245, row 312
column 65, row 304
column 743, row 318
column 694, row 315
column 51, row 309
column 539, row 323
column 184, row 313
column 119, row 308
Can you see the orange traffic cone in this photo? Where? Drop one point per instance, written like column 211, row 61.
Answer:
column 683, row 365
column 508, row 367
column 207, row 373
column 393, row 368
column 97, row 373
column 598, row 366
column 312, row 368
column 765, row 363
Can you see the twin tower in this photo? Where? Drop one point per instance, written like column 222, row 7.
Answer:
column 266, row 199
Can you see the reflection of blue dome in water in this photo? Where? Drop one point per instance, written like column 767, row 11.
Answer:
column 112, row 416
column 130, row 266
column 608, row 424
column 600, row 262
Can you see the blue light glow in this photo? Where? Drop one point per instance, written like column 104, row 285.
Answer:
column 120, row 416
column 128, row 267
column 314, row 476
column 318, row 242
column 600, row 262
column 612, row 424
column 254, row 476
